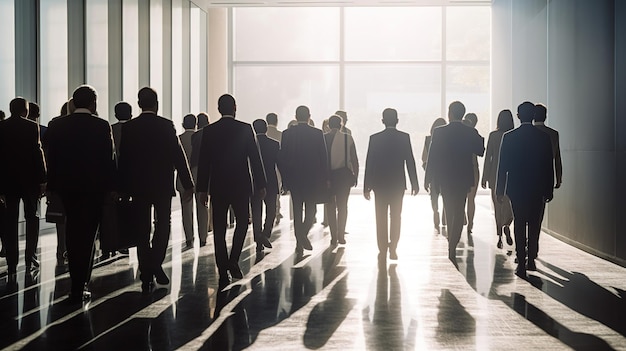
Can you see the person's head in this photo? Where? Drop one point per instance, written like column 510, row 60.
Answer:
column 437, row 123
column 471, row 119
column 292, row 123
column 456, row 111
column 148, row 100
column 202, row 120
column 123, row 111
column 63, row 111
column 303, row 114
column 526, row 111
column 226, row 105
column 85, row 97
column 541, row 113
column 505, row 121
column 390, row 117
column 260, row 126
column 190, row 121
column 325, row 126
column 335, row 122
column 2, row 115
column 18, row 107
column 33, row 111
column 343, row 115
column 271, row 119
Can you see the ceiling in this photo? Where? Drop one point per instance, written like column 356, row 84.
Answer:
column 205, row 4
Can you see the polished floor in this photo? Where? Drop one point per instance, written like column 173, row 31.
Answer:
column 332, row 298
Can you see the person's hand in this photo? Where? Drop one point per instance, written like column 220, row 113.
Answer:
column 427, row 187
column 366, row 194
column 262, row 193
column 500, row 198
column 414, row 191
column 548, row 198
column 484, row 184
column 558, row 185
column 204, row 198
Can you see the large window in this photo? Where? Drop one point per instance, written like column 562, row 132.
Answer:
column 363, row 60
column 7, row 56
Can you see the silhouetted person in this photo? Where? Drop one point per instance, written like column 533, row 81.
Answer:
column 303, row 164
column 33, row 115
column 205, row 221
column 123, row 114
column 471, row 120
column 450, row 163
column 526, row 175
column 269, row 153
column 2, row 115
column 81, row 167
column 149, row 153
column 189, row 123
column 344, row 119
column 228, row 155
column 503, row 211
column 23, row 179
column 387, row 154
column 274, row 133
column 435, row 188
column 344, row 172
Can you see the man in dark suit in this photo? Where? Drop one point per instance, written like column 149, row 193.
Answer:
column 123, row 113
column 228, row 154
column 450, row 164
column 81, row 168
column 526, row 175
column 23, row 179
column 205, row 221
column 269, row 153
column 149, row 153
column 388, row 153
column 303, row 165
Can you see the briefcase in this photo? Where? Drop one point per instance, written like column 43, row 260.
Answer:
column 118, row 228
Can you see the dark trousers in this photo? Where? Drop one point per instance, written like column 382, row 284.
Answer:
column 151, row 253
column 83, row 213
column 220, row 207
column 527, row 226
column 337, row 212
column 301, row 226
column 435, row 192
column 257, row 215
column 454, row 203
column 388, row 206
column 10, row 239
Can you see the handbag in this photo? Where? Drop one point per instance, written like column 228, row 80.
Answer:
column 55, row 212
column 118, row 228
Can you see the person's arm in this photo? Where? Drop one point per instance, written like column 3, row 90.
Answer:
column 488, row 164
column 410, row 166
column 259, row 178
column 180, row 161
column 503, row 167
column 367, row 177
column 355, row 161
column 558, row 166
column 204, row 167
column 40, row 163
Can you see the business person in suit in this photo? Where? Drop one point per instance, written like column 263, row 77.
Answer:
column 303, row 165
column 269, row 154
column 502, row 210
column 204, row 216
column 526, row 175
column 450, row 163
column 388, row 153
column 23, row 179
column 34, row 113
column 471, row 120
column 228, row 155
column 189, row 123
column 81, row 169
column 274, row 133
column 123, row 114
column 149, row 153
column 435, row 189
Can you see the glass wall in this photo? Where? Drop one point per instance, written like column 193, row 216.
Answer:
column 7, row 57
column 96, row 55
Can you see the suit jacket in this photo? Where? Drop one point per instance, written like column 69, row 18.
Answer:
column 185, row 141
column 556, row 150
column 80, row 154
column 303, row 161
column 149, row 153
column 21, row 156
column 116, row 129
column 274, row 133
column 492, row 157
column 227, row 155
column 525, row 170
column 387, row 154
column 450, row 159
column 269, row 153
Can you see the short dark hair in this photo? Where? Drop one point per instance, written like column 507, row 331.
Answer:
column 302, row 113
column 390, row 117
column 189, row 121
column 84, row 96
column 526, row 111
column 123, row 111
column 260, row 126
column 202, row 120
column 147, row 98
column 226, row 105
column 18, row 106
column 33, row 111
column 64, row 109
column 334, row 122
column 271, row 119
column 456, row 111
column 541, row 113
column 343, row 115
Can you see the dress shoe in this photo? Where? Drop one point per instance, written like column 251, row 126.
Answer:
column 393, row 254
column 500, row 243
column 324, row 224
column 32, row 262
column 259, row 247
column 235, row 271
column 79, row 296
column 202, row 243
column 306, row 244
column 161, row 277
column 333, row 242
column 521, row 272
column 263, row 240
column 147, row 288
column 507, row 233
column 342, row 241
column 531, row 265
column 124, row 251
